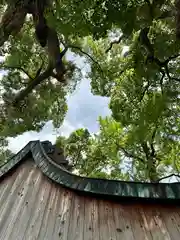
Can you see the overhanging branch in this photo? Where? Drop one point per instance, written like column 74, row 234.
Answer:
column 171, row 175
column 114, row 42
column 143, row 37
column 169, row 76
column 130, row 155
column 145, row 90
column 87, row 54
column 18, row 68
column 33, row 83
column 161, row 81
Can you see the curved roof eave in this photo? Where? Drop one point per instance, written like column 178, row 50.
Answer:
column 92, row 186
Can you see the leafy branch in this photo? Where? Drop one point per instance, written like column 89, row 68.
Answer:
column 87, row 54
column 130, row 155
column 163, row 65
column 20, row 96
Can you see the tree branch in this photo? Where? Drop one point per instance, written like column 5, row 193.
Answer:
column 154, row 133
column 161, row 80
column 166, row 14
column 143, row 37
column 170, row 58
column 146, row 42
column 145, row 90
column 47, row 73
column 39, row 70
column 114, row 42
column 54, row 75
column 145, row 149
column 87, row 54
column 12, row 21
column 171, row 175
column 153, row 152
column 168, row 74
column 18, row 68
column 130, row 155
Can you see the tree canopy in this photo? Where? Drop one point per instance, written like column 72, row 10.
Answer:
column 141, row 140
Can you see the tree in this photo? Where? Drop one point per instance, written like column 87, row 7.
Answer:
column 143, row 84
column 25, row 86
column 75, row 146
column 115, row 153
column 5, row 153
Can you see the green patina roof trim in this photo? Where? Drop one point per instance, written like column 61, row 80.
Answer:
column 112, row 188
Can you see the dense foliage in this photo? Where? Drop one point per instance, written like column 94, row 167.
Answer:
column 141, row 140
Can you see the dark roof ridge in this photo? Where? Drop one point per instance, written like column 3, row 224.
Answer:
column 93, row 186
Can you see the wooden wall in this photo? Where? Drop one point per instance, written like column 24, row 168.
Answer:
column 33, row 207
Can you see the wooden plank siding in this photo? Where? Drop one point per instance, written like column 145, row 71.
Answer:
column 34, row 207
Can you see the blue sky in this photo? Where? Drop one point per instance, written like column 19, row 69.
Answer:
column 83, row 111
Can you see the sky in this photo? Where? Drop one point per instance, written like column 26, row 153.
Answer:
column 83, row 112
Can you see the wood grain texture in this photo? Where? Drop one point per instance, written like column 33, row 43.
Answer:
column 33, row 207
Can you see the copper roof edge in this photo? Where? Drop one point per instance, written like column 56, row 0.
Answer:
column 91, row 186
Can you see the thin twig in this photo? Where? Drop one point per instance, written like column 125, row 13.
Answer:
column 153, row 152
column 175, row 79
column 171, row 175
column 170, row 58
column 18, row 68
column 130, row 155
column 168, row 74
column 166, row 14
column 145, row 90
column 161, row 81
column 87, row 54
column 114, row 42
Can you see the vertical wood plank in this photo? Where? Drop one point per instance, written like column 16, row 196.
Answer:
column 148, row 223
column 13, row 202
column 21, row 218
column 136, row 220
column 61, row 230
column 159, row 221
column 58, row 211
column 110, row 220
column 77, row 219
column 123, row 215
column 168, row 218
column 5, row 187
column 37, row 214
column 54, row 216
column 153, row 227
column 119, row 222
column 95, row 220
column 46, row 230
column 88, row 226
column 103, row 227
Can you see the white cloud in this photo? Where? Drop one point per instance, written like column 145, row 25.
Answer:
column 84, row 110
column 47, row 133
